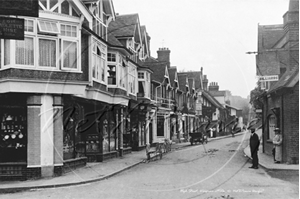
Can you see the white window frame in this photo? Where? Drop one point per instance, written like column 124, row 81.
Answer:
column 122, row 75
column 34, row 52
column 132, row 79
column 53, row 23
column 62, row 56
column 70, row 39
column 38, row 53
column 142, row 75
column 59, row 39
column 102, row 58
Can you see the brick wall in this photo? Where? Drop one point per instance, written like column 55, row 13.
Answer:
column 291, row 126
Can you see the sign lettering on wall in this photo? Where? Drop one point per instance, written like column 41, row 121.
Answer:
column 11, row 28
column 20, row 7
column 268, row 78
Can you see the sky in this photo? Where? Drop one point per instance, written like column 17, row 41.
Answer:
column 213, row 34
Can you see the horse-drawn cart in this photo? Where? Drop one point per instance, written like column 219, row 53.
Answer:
column 198, row 137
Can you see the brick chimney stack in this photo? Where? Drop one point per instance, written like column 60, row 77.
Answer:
column 213, row 86
column 163, row 54
column 205, row 82
column 291, row 28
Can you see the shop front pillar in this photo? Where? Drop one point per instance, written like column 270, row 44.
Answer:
column 47, row 136
column 40, row 158
column 58, row 134
column 147, row 128
column 120, row 130
column 34, row 136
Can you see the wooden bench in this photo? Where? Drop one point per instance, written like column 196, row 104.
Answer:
column 167, row 145
column 155, row 151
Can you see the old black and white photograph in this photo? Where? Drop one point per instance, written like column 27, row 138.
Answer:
column 149, row 99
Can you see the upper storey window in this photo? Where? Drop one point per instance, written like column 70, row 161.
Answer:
column 99, row 61
column 116, row 71
column 99, row 22
column 47, row 45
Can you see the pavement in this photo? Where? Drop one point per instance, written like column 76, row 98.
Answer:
column 267, row 161
column 94, row 172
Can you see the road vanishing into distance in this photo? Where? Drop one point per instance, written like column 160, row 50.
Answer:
column 214, row 170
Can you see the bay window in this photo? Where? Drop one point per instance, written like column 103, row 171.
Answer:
column 69, row 54
column 132, row 79
column 123, row 72
column 6, row 52
column 99, row 56
column 25, row 51
column 45, row 46
column 47, row 52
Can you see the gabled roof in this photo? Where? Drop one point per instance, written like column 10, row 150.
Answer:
column 288, row 80
column 144, row 36
column 196, row 75
column 232, row 107
column 124, row 25
column 173, row 76
column 191, row 83
column 159, row 70
column 211, row 99
column 182, row 79
column 270, row 58
column 268, row 35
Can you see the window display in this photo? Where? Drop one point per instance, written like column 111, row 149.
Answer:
column 13, row 135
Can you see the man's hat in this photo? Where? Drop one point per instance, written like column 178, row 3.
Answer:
column 277, row 129
column 252, row 130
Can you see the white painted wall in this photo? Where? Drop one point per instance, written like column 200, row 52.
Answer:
column 47, row 150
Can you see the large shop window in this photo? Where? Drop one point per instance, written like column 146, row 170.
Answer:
column 73, row 144
column 109, row 136
column 272, row 125
column 160, row 125
column 13, row 134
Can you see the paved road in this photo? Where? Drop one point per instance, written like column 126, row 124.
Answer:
column 215, row 170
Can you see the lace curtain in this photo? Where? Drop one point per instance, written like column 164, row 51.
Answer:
column 47, row 53
column 70, row 54
column 24, row 52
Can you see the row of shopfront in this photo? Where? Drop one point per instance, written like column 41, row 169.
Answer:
column 46, row 135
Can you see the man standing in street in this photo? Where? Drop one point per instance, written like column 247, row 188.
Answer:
column 254, row 145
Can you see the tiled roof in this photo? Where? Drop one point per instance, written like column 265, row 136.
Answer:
column 124, row 25
column 269, row 35
column 191, row 83
column 218, row 93
column 182, row 81
column 158, row 69
column 211, row 99
column 172, row 72
column 230, row 106
column 269, row 60
column 288, row 80
column 196, row 75
column 113, row 41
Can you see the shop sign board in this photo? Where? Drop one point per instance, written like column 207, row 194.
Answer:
column 20, row 7
column 11, row 28
column 268, row 78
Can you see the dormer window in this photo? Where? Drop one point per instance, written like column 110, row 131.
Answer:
column 141, row 75
column 111, row 57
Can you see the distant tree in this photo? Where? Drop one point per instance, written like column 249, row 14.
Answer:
column 254, row 97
